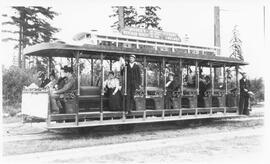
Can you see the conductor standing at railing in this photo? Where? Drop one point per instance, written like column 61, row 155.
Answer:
column 244, row 95
column 133, row 82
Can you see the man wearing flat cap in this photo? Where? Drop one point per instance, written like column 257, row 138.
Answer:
column 133, row 82
column 244, row 94
column 68, row 88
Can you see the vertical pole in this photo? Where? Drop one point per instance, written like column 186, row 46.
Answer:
column 197, row 77
column 212, row 84
column 102, row 91
column 237, row 87
column 217, row 28
column 125, row 89
column 121, row 17
column 225, row 87
column 110, row 65
column 164, row 78
column 159, row 74
column 71, row 62
column 225, row 79
column 49, row 66
column 78, row 72
column 78, row 89
column 164, row 75
column 145, row 76
column 181, row 82
column 92, row 72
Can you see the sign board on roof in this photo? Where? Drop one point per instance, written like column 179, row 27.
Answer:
column 148, row 33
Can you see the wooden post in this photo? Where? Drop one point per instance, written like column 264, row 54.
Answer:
column 78, row 89
column 197, row 77
column 212, row 84
column 164, row 75
column 145, row 76
column 102, row 90
column 181, row 81
column 225, row 79
column 49, row 66
column 217, row 28
column 121, row 17
column 71, row 62
column 92, row 72
column 125, row 89
column 110, row 65
column 237, row 87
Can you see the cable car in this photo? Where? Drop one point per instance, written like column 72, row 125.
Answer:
column 90, row 105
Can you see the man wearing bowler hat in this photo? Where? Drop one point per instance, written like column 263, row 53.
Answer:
column 68, row 88
column 133, row 82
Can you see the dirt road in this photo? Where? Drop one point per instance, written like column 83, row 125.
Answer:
column 236, row 146
column 203, row 141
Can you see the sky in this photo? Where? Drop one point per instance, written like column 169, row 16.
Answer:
column 193, row 18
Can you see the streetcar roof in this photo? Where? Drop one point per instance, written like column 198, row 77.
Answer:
column 81, row 35
column 91, row 51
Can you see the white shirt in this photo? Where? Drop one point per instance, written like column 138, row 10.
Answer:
column 131, row 64
column 111, row 83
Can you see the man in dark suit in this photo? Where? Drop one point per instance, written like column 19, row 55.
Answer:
column 133, row 82
column 244, row 95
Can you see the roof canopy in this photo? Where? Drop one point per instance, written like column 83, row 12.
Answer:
column 94, row 51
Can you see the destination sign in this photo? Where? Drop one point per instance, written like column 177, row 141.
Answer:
column 149, row 33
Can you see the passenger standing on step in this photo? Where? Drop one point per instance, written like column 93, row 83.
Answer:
column 133, row 82
column 244, row 95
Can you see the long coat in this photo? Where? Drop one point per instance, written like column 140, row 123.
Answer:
column 134, row 78
column 244, row 97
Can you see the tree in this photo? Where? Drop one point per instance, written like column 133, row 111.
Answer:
column 236, row 45
column 257, row 87
column 150, row 19
column 32, row 27
column 130, row 16
column 147, row 20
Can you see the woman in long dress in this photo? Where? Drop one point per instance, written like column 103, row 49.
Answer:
column 113, row 92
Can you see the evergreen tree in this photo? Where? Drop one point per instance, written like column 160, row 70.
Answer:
column 236, row 45
column 32, row 27
column 150, row 19
column 130, row 16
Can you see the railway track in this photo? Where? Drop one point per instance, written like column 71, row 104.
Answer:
column 17, row 141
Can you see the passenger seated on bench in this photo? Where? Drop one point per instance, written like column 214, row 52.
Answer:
column 43, row 81
column 53, row 81
column 67, row 90
column 111, row 85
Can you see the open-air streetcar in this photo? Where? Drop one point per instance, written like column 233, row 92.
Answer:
column 90, row 108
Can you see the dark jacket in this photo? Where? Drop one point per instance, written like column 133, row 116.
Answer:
column 172, row 86
column 44, row 82
column 133, row 76
column 69, row 85
column 244, row 85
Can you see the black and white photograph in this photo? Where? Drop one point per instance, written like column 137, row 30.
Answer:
column 135, row 81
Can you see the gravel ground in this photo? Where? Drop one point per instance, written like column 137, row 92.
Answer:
column 29, row 138
column 224, row 147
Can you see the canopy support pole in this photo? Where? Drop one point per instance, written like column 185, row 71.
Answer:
column 102, row 80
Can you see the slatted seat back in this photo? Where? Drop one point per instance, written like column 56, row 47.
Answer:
column 89, row 90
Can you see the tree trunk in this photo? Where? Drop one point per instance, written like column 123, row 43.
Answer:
column 20, row 48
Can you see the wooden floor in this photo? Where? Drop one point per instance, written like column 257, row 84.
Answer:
column 88, row 119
